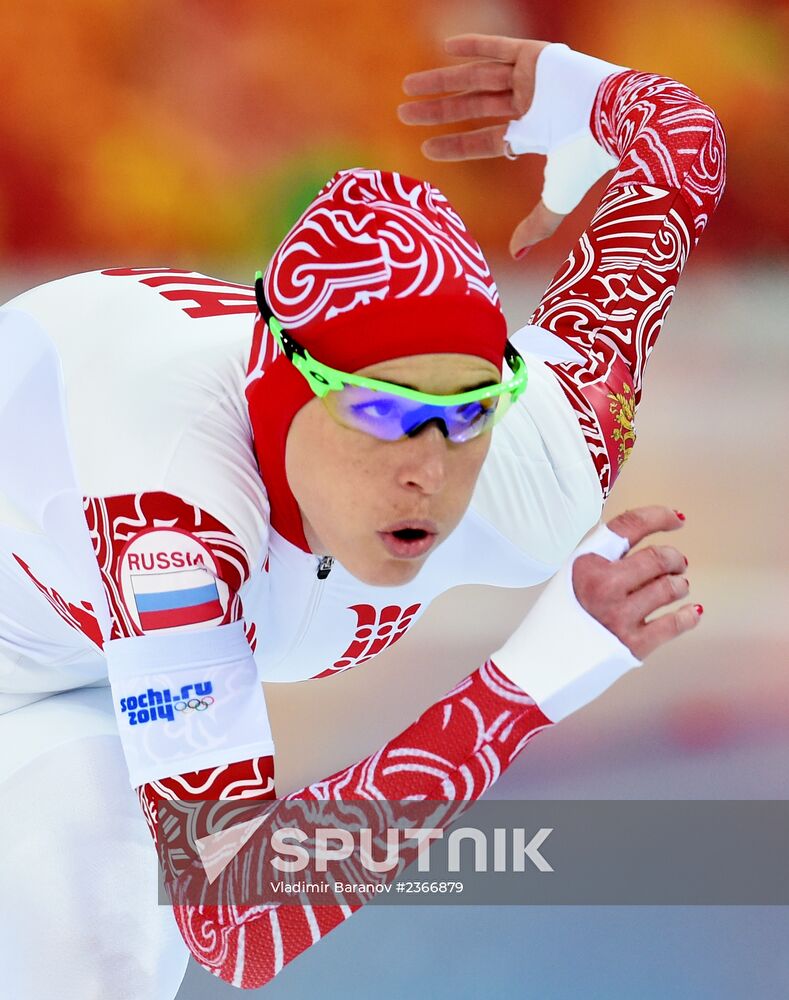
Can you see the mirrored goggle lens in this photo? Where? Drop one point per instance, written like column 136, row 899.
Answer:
column 391, row 417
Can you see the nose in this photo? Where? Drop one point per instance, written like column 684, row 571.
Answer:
column 424, row 458
column 436, row 421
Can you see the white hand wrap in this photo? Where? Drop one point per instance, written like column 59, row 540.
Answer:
column 557, row 124
column 560, row 655
column 185, row 701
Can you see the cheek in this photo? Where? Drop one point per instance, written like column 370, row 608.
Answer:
column 329, row 468
column 471, row 461
column 308, row 454
column 363, row 471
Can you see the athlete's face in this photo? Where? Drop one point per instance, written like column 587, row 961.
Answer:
column 351, row 486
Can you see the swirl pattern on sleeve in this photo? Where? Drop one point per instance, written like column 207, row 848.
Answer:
column 609, row 298
column 454, row 752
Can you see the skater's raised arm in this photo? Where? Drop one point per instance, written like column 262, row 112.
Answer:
column 608, row 300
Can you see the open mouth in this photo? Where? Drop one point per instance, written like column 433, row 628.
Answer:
column 410, row 534
column 408, row 543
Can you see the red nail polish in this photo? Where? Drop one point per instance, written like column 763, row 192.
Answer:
column 522, row 253
column 699, row 609
column 680, row 515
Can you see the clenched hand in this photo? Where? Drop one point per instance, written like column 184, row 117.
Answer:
column 620, row 594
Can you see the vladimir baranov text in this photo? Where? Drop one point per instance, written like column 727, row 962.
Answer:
column 593, row 852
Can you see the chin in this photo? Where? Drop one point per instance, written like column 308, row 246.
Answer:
column 388, row 572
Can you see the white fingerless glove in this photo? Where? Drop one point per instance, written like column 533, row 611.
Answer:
column 560, row 655
column 185, row 701
column 557, row 124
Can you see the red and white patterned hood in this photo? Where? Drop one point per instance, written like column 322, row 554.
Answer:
column 379, row 266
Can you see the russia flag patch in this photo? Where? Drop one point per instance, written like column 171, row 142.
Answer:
column 176, row 598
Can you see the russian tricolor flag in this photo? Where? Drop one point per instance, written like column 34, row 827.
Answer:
column 179, row 597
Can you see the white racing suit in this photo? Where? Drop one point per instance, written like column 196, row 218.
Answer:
column 134, row 532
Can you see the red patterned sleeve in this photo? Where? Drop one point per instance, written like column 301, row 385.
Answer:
column 455, row 751
column 610, row 296
column 154, row 550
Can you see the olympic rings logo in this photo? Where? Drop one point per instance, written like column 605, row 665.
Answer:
column 194, row 704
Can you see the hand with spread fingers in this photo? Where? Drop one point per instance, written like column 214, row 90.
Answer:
column 622, row 593
column 544, row 91
column 498, row 84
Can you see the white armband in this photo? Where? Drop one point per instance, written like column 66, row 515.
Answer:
column 560, row 655
column 185, row 701
column 557, row 124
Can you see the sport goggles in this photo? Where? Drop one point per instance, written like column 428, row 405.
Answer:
column 391, row 412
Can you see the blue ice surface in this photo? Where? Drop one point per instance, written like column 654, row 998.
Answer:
column 546, row 953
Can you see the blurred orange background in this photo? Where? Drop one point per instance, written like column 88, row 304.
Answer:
column 182, row 132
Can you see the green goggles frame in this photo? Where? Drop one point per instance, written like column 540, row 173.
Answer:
column 323, row 379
